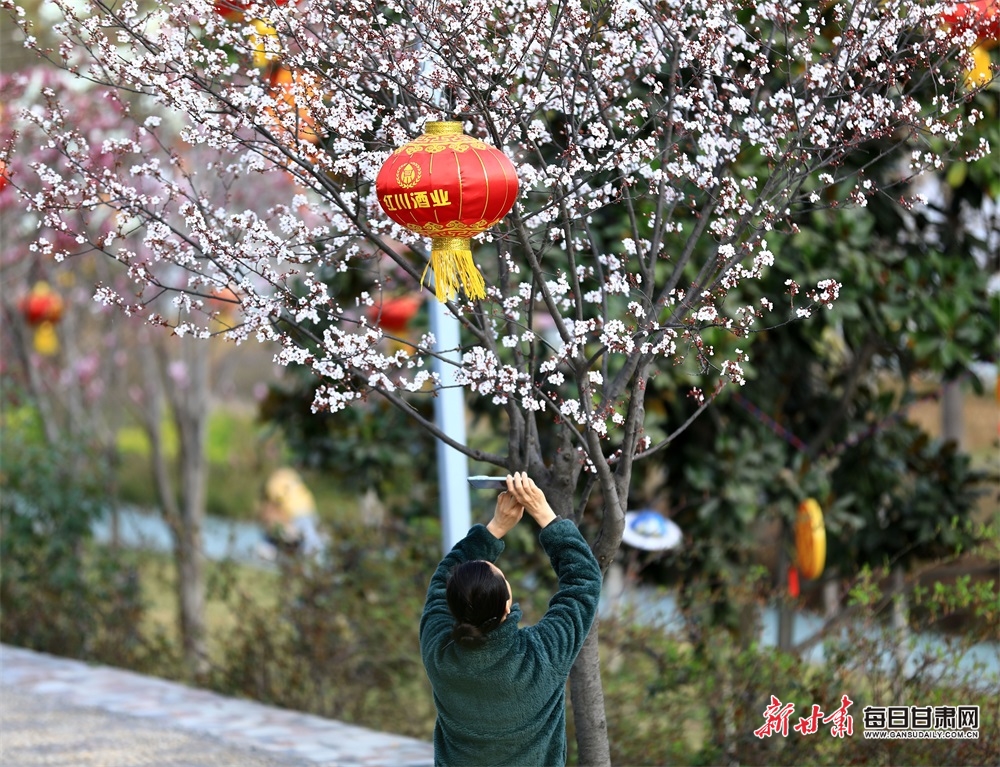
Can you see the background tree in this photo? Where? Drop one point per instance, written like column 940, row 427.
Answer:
column 66, row 367
column 106, row 368
column 829, row 398
column 643, row 113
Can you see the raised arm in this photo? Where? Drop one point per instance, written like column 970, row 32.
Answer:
column 565, row 625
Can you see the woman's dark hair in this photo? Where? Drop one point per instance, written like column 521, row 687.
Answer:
column 477, row 597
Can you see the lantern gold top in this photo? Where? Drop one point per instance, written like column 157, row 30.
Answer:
column 447, row 128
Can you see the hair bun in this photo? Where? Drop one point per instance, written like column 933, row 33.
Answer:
column 467, row 634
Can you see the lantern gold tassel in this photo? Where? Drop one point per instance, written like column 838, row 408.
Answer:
column 451, row 259
column 46, row 340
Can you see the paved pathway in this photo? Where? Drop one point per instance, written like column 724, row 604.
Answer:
column 56, row 711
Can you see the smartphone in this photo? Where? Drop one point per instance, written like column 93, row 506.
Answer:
column 480, row 482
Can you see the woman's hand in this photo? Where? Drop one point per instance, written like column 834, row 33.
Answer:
column 507, row 514
column 529, row 495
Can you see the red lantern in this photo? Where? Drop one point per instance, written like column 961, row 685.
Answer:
column 3, row 164
column 449, row 187
column 233, row 10
column 42, row 309
column 395, row 314
column 983, row 16
column 41, row 305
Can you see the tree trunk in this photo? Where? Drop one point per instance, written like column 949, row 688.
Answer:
column 190, row 562
column 184, row 511
column 727, row 706
column 587, row 697
column 900, row 629
column 21, row 335
column 951, row 412
column 190, row 407
column 586, row 690
column 786, row 616
column 831, row 593
column 191, row 599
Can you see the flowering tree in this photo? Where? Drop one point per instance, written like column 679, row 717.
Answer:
column 99, row 359
column 45, row 360
column 628, row 123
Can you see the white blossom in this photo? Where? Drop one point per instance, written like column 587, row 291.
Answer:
column 625, row 129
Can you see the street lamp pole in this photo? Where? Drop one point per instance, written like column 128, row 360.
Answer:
column 449, row 415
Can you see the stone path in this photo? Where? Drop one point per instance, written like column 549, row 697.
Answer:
column 56, row 711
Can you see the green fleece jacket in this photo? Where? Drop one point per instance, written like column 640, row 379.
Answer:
column 504, row 703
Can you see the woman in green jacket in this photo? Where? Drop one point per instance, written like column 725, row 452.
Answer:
column 499, row 689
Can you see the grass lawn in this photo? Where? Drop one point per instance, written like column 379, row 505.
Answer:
column 157, row 574
column 241, row 454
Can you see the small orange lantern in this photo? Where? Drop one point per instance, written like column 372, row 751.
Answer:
column 282, row 81
column 393, row 315
column 258, row 43
column 231, row 10
column 810, row 539
column 225, row 304
column 450, row 187
column 981, row 71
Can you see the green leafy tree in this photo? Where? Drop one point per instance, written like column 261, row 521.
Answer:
column 825, row 414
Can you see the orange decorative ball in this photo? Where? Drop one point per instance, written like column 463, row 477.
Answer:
column 282, row 81
column 810, row 539
column 450, row 187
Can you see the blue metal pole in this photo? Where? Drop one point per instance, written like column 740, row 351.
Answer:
column 449, row 415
